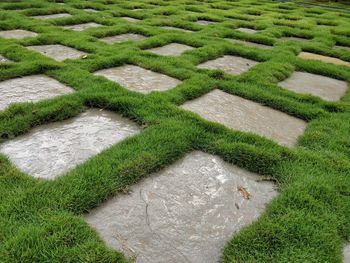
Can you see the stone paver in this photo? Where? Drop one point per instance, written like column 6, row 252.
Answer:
column 312, row 56
column 30, row 89
column 343, row 48
column 346, row 253
column 91, row 10
column 17, row 34
column 53, row 16
column 248, row 116
column 294, row 39
column 122, row 38
column 130, row 19
column 203, row 22
column 321, row 86
column 177, row 29
column 3, row 59
column 229, row 64
column 52, row 149
column 246, row 30
column 249, row 44
column 58, row 52
column 184, row 213
column 82, row 27
column 138, row 79
column 173, row 49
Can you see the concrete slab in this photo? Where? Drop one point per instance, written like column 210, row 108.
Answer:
column 52, row 149
column 177, row 29
column 294, row 39
column 130, row 19
column 229, row 64
column 53, row 16
column 184, row 213
column 346, row 253
column 203, row 22
column 57, row 52
column 246, row 30
column 247, row 116
column 82, row 27
column 122, row 38
column 321, row 86
column 173, row 49
column 138, row 79
column 312, row 56
column 30, row 89
column 249, row 44
column 17, row 34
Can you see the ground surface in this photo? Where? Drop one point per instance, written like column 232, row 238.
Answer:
column 44, row 220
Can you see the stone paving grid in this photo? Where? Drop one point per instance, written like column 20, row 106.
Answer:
column 245, row 66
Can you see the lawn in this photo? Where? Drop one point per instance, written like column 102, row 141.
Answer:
column 308, row 221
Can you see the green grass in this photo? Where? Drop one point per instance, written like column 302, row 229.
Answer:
column 41, row 221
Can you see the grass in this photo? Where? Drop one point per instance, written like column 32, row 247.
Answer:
column 41, row 221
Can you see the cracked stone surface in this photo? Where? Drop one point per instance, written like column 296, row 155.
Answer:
column 229, row 64
column 184, row 213
column 130, row 19
column 52, row 149
column 17, row 34
column 312, row 56
column 58, row 52
column 177, row 29
column 247, row 116
column 122, row 38
column 321, row 86
column 203, row 22
column 173, row 49
column 139, row 79
column 294, row 39
column 53, row 16
column 249, row 44
column 3, row 59
column 346, row 253
column 82, row 27
column 30, row 89
column 246, row 30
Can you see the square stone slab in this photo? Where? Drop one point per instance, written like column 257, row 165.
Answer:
column 122, row 38
column 52, row 149
column 294, row 39
column 184, row 213
column 82, row 27
column 173, row 49
column 91, row 10
column 177, row 29
column 203, row 22
column 343, row 47
column 138, row 79
column 312, row 56
column 346, row 253
column 229, row 64
column 58, row 52
column 247, row 116
column 30, row 89
column 321, row 86
column 3, row 59
column 53, row 16
column 17, row 34
column 246, row 30
column 249, row 44
column 130, row 19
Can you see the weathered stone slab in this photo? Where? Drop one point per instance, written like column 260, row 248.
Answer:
column 294, row 39
column 312, row 56
column 91, row 10
column 58, row 52
column 17, row 34
column 346, row 253
column 122, row 38
column 343, row 48
column 229, row 64
column 249, row 44
column 53, row 16
column 139, row 79
column 247, row 116
column 130, row 19
column 30, row 89
column 173, row 49
column 177, row 29
column 3, row 59
column 184, row 213
column 203, row 22
column 246, row 30
column 321, row 86
column 82, row 27
column 52, row 149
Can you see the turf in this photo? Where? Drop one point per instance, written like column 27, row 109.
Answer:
column 41, row 221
